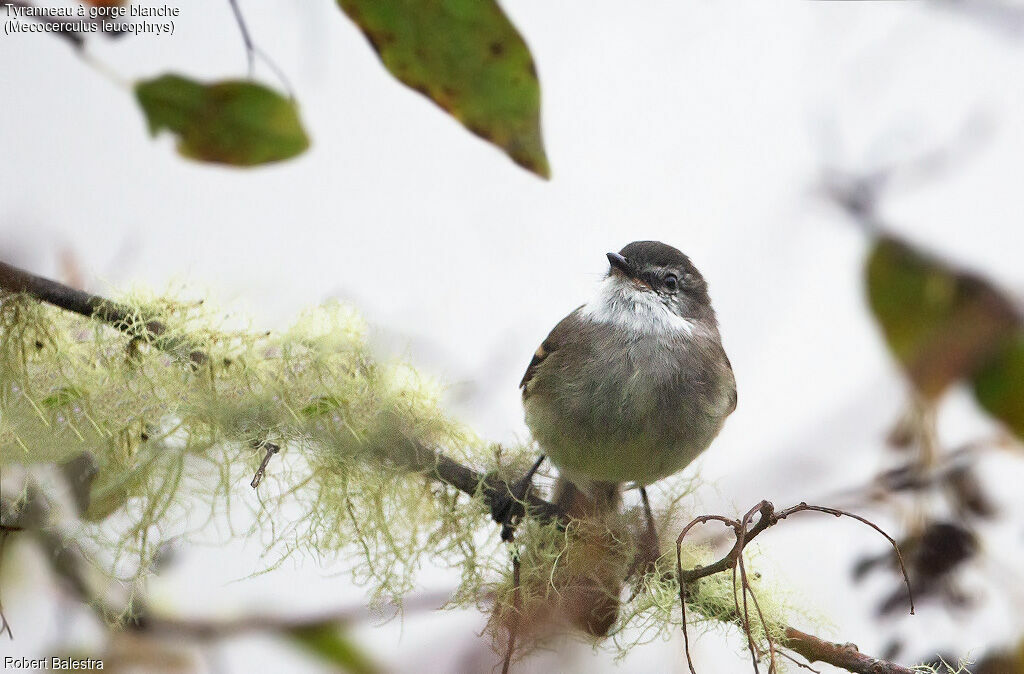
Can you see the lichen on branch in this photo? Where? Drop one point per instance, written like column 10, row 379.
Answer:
column 159, row 412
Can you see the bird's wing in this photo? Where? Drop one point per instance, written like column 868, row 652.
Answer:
column 555, row 339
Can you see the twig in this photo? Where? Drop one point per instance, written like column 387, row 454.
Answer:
column 513, row 627
column 252, row 51
column 246, row 38
column 745, row 531
column 272, row 449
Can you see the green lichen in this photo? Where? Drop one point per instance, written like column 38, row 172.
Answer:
column 173, row 442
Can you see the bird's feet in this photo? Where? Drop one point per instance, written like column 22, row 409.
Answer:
column 648, row 549
column 508, row 508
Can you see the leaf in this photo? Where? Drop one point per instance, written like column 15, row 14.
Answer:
column 61, row 397
column 233, row 122
column 329, row 642
column 999, row 384
column 466, row 56
column 940, row 323
column 320, row 406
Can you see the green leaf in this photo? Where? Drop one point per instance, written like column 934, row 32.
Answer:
column 320, row 406
column 999, row 384
column 233, row 122
column 61, row 397
column 466, row 56
column 330, row 643
column 941, row 323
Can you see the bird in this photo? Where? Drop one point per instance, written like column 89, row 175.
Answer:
column 630, row 387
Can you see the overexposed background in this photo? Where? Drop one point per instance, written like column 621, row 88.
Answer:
column 704, row 126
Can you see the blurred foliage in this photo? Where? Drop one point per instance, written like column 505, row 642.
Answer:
column 466, row 56
column 1009, row 661
column 932, row 556
column 999, row 384
column 239, row 123
column 946, row 325
column 330, row 643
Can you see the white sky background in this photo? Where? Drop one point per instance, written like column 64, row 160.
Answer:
column 703, row 126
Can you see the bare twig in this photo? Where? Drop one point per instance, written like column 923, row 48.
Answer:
column 250, row 50
column 745, row 530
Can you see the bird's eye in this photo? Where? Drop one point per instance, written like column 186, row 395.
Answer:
column 671, row 283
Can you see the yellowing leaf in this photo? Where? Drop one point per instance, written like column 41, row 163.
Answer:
column 466, row 56
column 234, row 122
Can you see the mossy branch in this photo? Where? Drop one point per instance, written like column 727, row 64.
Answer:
column 395, row 427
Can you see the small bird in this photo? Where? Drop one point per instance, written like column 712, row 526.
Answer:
column 633, row 385
column 628, row 388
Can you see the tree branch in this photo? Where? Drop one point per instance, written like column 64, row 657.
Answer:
column 126, row 319
column 122, row 317
column 844, row 656
column 442, row 468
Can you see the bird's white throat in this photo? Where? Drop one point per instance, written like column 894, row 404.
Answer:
column 620, row 302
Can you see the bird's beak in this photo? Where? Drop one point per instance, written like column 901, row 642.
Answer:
column 620, row 263
column 622, row 266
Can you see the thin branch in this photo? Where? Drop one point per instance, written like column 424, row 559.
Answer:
column 844, row 656
column 814, row 649
column 250, row 49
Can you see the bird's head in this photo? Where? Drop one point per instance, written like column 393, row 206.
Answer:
column 650, row 277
